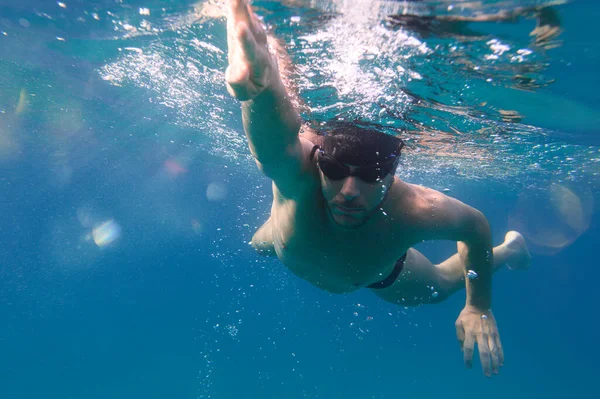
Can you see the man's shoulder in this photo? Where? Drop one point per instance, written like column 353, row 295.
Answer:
column 412, row 203
column 430, row 214
column 410, row 196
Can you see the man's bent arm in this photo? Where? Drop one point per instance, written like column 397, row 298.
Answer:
column 476, row 252
column 476, row 324
column 456, row 221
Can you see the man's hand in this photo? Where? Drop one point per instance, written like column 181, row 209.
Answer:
column 474, row 325
column 251, row 68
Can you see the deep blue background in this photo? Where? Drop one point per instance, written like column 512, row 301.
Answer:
column 172, row 312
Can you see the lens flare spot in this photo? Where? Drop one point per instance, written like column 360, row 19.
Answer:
column 216, row 191
column 569, row 207
column 22, row 104
column 174, row 168
column 106, row 233
column 554, row 218
column 196, row 226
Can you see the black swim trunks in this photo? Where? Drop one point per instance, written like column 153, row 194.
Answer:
column 392, row 277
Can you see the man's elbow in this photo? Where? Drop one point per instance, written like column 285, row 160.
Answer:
column 476, row 236
column 478, row 231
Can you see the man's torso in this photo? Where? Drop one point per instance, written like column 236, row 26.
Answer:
column 334, row 259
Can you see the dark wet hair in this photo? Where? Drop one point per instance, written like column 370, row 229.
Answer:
column 359, row 143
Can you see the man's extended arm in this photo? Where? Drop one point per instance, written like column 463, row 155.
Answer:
column 270, row 117
column 271, row 124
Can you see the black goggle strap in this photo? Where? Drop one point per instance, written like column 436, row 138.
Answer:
column 329, row 158
column 314, row 149
column 324, row 158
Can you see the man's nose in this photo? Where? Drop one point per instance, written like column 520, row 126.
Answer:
column 350, row 189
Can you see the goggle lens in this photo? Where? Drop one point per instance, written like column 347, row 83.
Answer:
column 336, row 170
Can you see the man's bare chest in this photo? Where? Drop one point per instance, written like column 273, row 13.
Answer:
column 335, row 260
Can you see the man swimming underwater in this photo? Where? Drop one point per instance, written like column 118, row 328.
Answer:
column 341, row 220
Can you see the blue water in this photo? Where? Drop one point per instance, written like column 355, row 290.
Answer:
column 109, row 115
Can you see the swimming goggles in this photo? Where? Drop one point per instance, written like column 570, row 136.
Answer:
column 335, row 170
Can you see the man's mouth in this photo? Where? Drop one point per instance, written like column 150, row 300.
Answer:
column 348, row 210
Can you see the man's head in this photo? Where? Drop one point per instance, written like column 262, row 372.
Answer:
column 357, row 164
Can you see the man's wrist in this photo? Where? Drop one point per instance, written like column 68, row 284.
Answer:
column 480, row 303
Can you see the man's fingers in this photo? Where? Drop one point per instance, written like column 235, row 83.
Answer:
column 490, row 330
column 494, row 353
column 256, row 26
column 484, row 353
column 500, row 350
column 258, row 30
column 460, row 333
column 246, row 42
column 468, row 347
column 475, row 328
column 242, row 54
column 248, row 68
column 241, row 11
column 237, row 19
